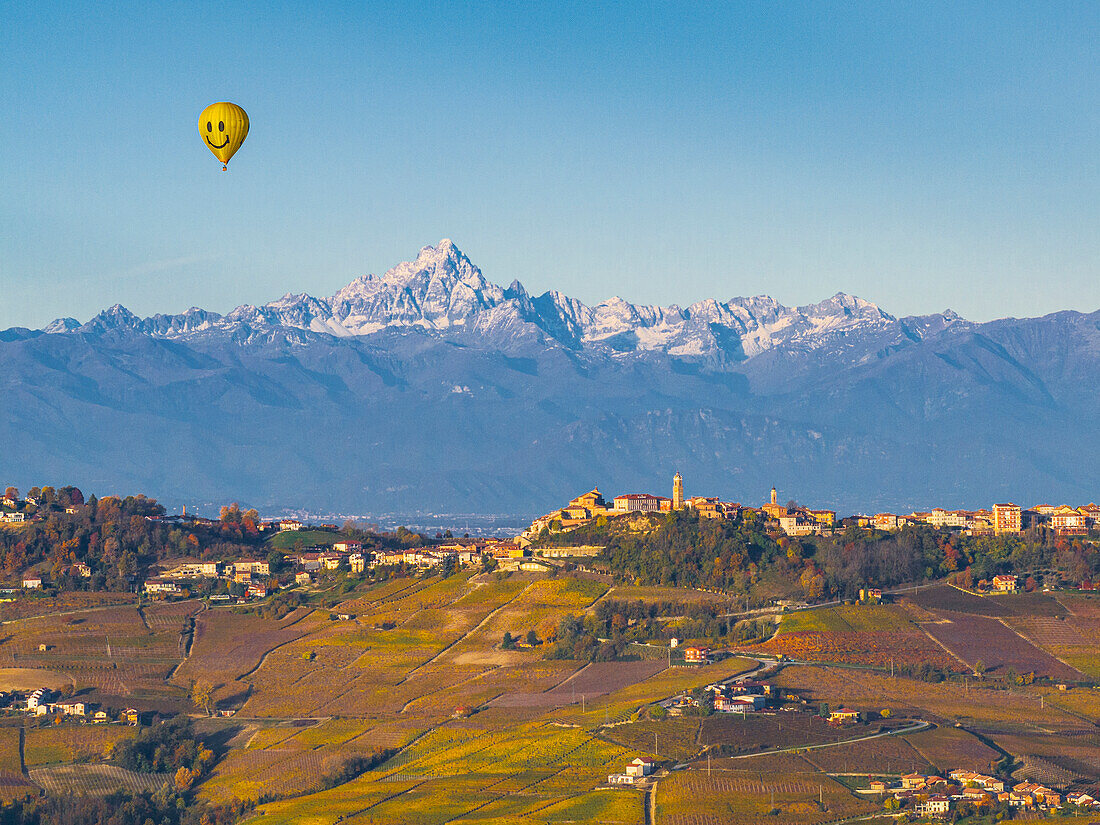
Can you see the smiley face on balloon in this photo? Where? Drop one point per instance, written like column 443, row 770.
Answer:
column 223, row 126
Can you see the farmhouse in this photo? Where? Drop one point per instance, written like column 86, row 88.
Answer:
column 1004, row 584
column 161, row 586
column 934, row 805
column 289, row 524
column 738, row 704
column 696, row 655
column 70, row 708
column 32, row 583
column 639, row 767
column 971, row 779
column 1082, row 800
column 254, row 566
column 193, row 570
column 38, row 697
column 620, row 779
column 843, row 715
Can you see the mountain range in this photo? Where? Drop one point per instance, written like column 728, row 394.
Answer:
column 431, row 389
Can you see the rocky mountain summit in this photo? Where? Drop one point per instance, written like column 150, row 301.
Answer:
column 443, row 291
column 432, row 389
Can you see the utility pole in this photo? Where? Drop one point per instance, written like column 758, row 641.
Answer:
column 654, row 744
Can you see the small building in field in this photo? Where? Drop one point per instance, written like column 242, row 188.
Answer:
column 844, row 715
column 639, row 767
column 1005, row 584
column 535, row 566
column 32, row 583
column 303, row 578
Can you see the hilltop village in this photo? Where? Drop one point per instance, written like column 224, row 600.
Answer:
column 58, row 541
column 793, row 519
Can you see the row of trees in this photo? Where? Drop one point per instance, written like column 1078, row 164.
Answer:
column 115, row 537
column 121, row 808
column 681, row 549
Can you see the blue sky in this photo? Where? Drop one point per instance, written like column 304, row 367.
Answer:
column 922, row 156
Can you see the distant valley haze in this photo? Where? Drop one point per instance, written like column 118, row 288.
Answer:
column 433, row 389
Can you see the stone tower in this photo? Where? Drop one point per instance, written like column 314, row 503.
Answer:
column 677, row 492
column 775, row 497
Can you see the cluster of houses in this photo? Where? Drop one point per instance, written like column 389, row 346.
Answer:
column 45, row 702
column 591, row 505
column 800, row 521
column 256, row 574
column 735, row 697
column 936, row 796
column 1000, row 519
column 253, row 574
column 463, row 552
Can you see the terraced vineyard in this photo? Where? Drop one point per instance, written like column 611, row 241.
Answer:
column 95, row 780
column 750, row 797
column 414, row 698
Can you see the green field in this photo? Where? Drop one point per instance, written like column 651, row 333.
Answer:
column 289, row 539
column 854, row 618
column 9, row 750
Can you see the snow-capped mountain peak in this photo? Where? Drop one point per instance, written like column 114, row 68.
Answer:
column 442, row 290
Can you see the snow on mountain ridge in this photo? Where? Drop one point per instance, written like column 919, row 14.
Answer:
column 443, row 290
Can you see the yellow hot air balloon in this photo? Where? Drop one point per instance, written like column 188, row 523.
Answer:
column 223, row 126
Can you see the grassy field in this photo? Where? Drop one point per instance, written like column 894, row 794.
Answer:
column 289, row 539
column 9, row 750
column 70, row 743
column 854, row 618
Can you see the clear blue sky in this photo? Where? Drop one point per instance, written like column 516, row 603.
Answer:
column 923, row 156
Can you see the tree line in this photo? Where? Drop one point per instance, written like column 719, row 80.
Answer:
column 681, row 549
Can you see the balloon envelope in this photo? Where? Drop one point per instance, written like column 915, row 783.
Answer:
column 223, row 127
